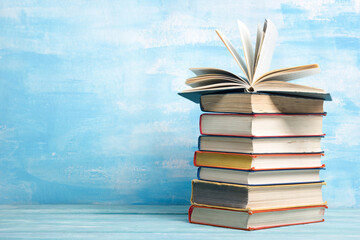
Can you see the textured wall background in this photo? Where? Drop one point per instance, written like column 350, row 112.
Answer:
column 88, row 105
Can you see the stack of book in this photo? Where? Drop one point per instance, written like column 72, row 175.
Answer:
column 258, row 166
column 259, row 152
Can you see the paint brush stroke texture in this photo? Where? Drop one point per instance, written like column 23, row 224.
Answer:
column 88, row 105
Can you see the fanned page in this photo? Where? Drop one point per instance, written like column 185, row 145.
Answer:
column 256, row 68
column 288, row 74
column 266, row 49
column 235, row 54
column 216, row 87
column 279, row 86
column 208, row 79
column 202, row 71
column 213, row 77
column 259, row 38
column 248, row 49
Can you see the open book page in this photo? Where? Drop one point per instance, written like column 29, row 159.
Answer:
column 287, row 74
column 209, row 79
column 213, row 76
column 292, row 89
column 266, row 49
column 216, row 87
column 202, row 71
column 279, row 86
column 207, row 82
column 248, row 49
column 259, row 39
column 234, row 53
column 196, row 95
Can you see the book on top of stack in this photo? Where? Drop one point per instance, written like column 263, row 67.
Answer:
column 259, row 154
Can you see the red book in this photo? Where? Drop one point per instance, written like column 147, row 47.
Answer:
column 256, row 220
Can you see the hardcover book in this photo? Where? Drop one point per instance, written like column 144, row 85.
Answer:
column 256, row 220
column 260, row 145
column 243, row 197
column 261, row 125
column 259, row 103
column 257, row 162
column 259, row 177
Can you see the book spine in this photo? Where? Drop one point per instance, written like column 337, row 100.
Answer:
column 194, row 161
column 201, row 105
column 200, row 124
column 191, row 208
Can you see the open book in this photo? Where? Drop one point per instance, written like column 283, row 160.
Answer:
column 255, row 67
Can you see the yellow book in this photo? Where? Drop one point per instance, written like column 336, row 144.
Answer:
column 257, row 162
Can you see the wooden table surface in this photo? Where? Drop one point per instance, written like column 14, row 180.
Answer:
column 151, row 222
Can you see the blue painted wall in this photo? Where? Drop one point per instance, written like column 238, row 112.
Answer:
column 88, row 105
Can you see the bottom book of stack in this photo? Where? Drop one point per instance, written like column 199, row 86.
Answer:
column 256, row 219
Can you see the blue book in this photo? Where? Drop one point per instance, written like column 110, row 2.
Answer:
column 196, row 97
column 260, row 177
column 260, row 103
